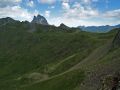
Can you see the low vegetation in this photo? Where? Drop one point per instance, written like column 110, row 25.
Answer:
column 42, row 60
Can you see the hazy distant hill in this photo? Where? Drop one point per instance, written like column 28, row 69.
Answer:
column 99, row 28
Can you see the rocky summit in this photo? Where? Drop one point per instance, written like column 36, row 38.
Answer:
column 40, row 20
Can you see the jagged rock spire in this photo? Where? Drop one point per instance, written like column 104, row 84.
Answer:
column 39, row 20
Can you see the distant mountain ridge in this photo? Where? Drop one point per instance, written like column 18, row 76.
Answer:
column 42, row 20
column 105, row 28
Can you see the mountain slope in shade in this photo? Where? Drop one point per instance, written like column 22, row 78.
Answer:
column 4, row 21
column 39, row 20
column 116, row 41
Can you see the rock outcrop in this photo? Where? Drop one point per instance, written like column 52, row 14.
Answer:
column 111, row 82
column 39, row 20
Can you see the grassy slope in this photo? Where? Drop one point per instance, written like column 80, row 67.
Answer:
column 67, row 81
column 90, row 67
column 83, row 65
column 107, row 65
column 49, row 53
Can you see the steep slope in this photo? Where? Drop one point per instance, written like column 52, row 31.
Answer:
column 72, row 78
column 116, row 41
column 103, row 71
column 92, row 68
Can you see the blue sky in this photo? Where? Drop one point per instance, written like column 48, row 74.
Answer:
column 69, row 12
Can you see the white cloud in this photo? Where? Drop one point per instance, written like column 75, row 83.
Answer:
column 4, row 3
column 52, row 1
column 74, row 22
column 112, row 14
column 30, row 3
column 47, row 1
column 75, row 15
column 87, row 1
column 47, row 13
column 65, row 5
column 78, row 14
column 70, row 22
column 65, row 1
column 79, row 11
column 17, row 12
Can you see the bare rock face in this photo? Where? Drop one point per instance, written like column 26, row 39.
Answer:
column 116, row 41
column 39, row 20
column 111, row 82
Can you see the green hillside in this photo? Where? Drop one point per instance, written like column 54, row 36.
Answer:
column 54, row 58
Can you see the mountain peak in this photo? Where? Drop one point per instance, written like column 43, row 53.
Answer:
column 39, row 20
column 39, row 15
column 62, row 25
